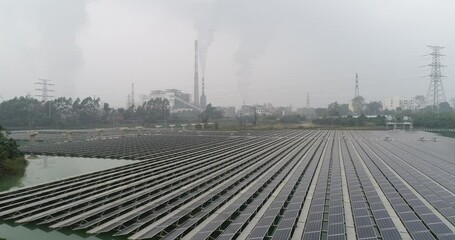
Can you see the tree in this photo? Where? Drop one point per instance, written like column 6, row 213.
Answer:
column 452, row 101
column 358, row 104
column 184, row 116
column 106, row 110
column 63, row 107
column 8, row 147
column 89, row 110
column 444, row 107
column 419, row 101
column 373, row 108
column 334, row 109
column 210, row 113
column 23, row 111
column 156, row 110
column 321, row 112
column 344, row 109
column 11, row 159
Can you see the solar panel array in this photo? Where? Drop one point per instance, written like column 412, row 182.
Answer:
column 293, row 184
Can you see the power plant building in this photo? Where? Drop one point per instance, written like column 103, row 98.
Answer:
column 228, row 112
column 178, row 100
column 396, row 102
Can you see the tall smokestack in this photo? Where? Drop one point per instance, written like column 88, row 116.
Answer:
column 196, row 76
column 203, row 101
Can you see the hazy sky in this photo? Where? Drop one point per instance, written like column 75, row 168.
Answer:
column 261, row 50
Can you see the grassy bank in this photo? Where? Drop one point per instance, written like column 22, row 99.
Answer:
column 12, row 160
column 14, row 166
column 446, row 134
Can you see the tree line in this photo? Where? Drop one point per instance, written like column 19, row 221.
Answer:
column 441, row 116
column 30, row 113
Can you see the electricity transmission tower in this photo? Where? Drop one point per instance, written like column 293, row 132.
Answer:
column 132, row 95
column 356, row 94
column 435, row 94
column 307, row 100
column 44, row 84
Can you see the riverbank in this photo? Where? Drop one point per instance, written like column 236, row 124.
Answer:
column 14, row 166
column 446, row 134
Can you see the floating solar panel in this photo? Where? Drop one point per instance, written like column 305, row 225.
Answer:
column 269, row 184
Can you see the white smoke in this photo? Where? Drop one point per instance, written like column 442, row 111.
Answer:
column 43, row 35
column 258, row 23
column 59, row 22
column 206, row 21
column 205, row 39
column 249, row 49
column 254, row 22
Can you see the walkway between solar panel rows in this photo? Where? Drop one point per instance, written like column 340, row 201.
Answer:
column 293, row 184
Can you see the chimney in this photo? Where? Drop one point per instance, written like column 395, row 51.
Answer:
column 203, row 101
column 196, row 76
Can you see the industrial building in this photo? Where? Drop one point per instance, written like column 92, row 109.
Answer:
column 397, row 102
column 228, row 112
column 178, row 100
column 266, row 109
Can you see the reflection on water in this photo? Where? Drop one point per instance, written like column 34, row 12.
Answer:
column 42, row 169
column 11, row 231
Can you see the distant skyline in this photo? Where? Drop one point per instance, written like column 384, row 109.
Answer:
column 261, row 50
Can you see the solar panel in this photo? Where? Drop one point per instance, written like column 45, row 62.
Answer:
column 440, row 229
column 363, row 221
column 312, row 236
column 422, row 236
column 336, row 237
column 415, row 226
column 235, row 177
column 335, row 229
column 366, row 232
column 313, row 226
column 390, row 234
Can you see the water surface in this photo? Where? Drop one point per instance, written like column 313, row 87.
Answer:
column 42, row 169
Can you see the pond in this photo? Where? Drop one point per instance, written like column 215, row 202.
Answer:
column 42, row 169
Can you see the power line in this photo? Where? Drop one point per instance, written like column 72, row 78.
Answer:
column 435, row 94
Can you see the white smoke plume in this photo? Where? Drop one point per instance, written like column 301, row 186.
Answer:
column 253, row 21
column 206, row 31
column 59, row 22
column 248, row 50
column 263, row 17
column 206, row 21
column 43, row 37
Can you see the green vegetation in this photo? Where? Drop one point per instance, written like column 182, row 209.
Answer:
column 350, row 121
column 371, row 114
column 429, row 119
column 61, row 113
column 446, row 134
column 30, row 113
column 12, row 161
column 64, row 113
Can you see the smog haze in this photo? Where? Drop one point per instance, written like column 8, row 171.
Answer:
column 258, row 51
